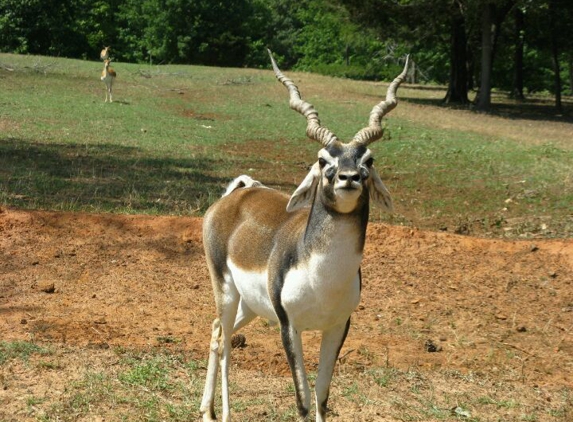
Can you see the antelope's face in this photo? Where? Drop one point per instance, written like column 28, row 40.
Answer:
column 342, row 178
column 344, row 172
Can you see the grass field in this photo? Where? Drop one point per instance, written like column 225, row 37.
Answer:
column 102, row 347
column 177, row 134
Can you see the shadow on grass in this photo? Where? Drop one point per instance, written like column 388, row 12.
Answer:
column 105, row 178
column 530, row 109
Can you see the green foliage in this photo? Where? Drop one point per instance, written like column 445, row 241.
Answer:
column 329, row 43
column 373, row 71
column 69, row 28
column 182, row 31
column 320, row 36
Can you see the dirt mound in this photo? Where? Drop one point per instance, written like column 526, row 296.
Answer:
column 429, row 299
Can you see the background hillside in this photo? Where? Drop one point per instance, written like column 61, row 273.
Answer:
column 176, row 134
column 519, row 46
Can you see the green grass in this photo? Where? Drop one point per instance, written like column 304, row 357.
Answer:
column 21, row 350
column 143, row 386
column 177, row 134
column 165, row 384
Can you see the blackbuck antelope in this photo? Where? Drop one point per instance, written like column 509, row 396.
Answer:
column 104, row 55
column 294, row 261
column 107, row 76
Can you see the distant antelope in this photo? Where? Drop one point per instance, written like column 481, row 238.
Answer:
column 104, row 55
column 294, row 261
column 107, row 76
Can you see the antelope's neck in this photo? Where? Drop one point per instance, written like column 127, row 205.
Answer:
column 328, row 230
column 323, row 288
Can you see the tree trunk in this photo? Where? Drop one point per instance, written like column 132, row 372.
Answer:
column 518, row 56
column 484, row 96
column 557, row 76
column 472, row 79
column 413, row 78
column 498, row 15
column 555, row 57
column 570, row 73
column 458, row 84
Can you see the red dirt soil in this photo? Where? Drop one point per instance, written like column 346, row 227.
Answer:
column 137, row 281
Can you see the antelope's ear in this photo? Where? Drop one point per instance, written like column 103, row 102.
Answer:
column 379, row 192
column 304, row 194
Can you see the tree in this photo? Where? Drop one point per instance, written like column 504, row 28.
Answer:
column 518, row 33
column 484, row 96
column 42, row 27
column 548, row 34
column 570, row 63
column 555, row 54
column 189, row 31
column 428, row 27
column 458, row 82
column 492, row 16
column 419, row 27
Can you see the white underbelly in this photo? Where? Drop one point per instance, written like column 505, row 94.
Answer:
column 316, row 295
column 252, row 287
column 322, row 293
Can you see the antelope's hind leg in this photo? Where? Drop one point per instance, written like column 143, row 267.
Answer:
column 227, row 315
column 208, row 402
column 227, row 299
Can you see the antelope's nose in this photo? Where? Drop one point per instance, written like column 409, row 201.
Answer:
column 348, row 177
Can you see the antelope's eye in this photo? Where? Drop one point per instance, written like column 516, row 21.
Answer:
column 369, row 162
column 321, row 162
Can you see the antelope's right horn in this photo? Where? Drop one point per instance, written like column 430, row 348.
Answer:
column 374, row 130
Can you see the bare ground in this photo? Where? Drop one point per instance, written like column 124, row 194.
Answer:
column 499, row 313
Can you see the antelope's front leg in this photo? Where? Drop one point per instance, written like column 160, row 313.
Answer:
column 292, row 343
column 332, row 341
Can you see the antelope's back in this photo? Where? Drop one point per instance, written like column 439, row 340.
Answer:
column 244, row 227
